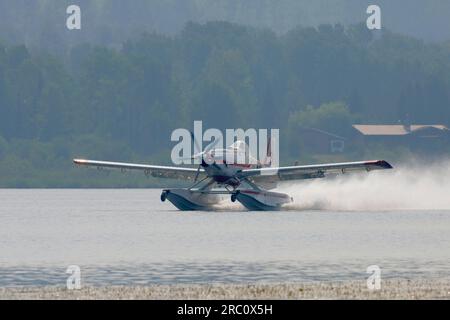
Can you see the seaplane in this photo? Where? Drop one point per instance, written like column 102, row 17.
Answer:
column 250, row 183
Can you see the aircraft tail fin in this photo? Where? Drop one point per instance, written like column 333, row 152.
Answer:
column 268, row 160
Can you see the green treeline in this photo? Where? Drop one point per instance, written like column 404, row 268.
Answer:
column 123, row 103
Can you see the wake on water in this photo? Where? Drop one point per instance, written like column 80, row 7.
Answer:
column 407, row 187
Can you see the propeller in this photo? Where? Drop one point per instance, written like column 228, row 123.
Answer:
column 201, row 154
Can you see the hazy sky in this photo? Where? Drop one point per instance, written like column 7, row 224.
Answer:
column 42, row 22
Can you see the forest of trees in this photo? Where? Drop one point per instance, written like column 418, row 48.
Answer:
column 122, row 103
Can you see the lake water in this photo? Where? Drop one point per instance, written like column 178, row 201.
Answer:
column 128, row 237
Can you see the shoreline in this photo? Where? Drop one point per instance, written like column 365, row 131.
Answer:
column 352, row 290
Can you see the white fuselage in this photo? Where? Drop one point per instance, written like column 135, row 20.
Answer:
column 223, row 165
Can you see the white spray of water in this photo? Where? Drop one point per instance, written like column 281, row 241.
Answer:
column 409, row 187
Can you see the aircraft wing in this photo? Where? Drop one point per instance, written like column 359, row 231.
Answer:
column 179, row 173
column 311, row 171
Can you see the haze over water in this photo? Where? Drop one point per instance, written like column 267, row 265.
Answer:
column 130, row 237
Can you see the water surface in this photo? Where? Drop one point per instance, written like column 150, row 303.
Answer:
column 130, row 237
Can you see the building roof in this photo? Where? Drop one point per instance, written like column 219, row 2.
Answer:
column 393, row 130
column 324, row 132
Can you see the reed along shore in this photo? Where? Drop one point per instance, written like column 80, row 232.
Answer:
column 390, row 289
